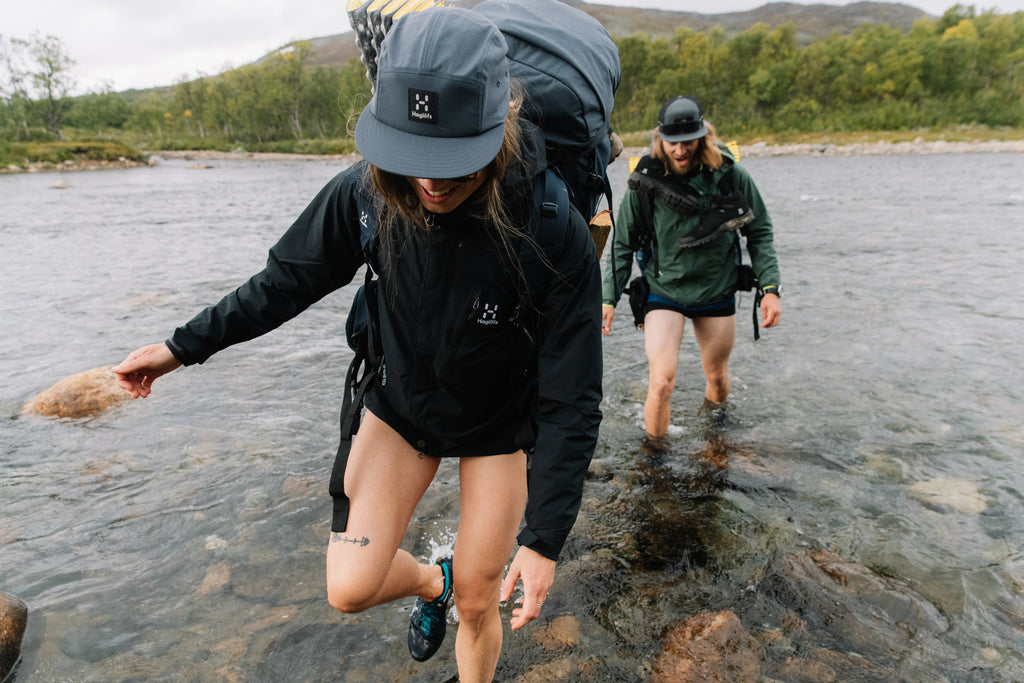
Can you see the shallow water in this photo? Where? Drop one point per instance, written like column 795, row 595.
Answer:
column 183, row 536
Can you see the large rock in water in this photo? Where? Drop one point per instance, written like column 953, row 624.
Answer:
column 13, row 617
column 81, row 395
column 872, row 615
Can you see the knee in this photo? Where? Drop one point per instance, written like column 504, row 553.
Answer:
column 718, row 377
column 347, row 597
column 661, row 387
column 476, row 598
column 474, row 607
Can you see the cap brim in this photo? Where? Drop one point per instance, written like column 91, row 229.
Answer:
column 685, row 137
column 422, row 156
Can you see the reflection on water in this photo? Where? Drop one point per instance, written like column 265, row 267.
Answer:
column 873, row 441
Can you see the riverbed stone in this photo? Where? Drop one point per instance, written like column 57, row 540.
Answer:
column 862, row 611
column 13, row 618
column 81, row 395
column 217, row 578
column 561, row 633
column 708, row 647
column 960, row 494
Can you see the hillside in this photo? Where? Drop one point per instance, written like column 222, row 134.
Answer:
column 811, row 22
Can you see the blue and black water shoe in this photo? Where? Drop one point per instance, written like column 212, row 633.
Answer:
column 428, row 623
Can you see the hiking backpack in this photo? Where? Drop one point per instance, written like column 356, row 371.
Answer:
column 570, row 68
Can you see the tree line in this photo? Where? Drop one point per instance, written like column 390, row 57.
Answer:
column 965, row 68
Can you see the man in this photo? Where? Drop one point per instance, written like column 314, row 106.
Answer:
column 680, row 214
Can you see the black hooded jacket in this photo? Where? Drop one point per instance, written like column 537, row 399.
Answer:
column 474, row 363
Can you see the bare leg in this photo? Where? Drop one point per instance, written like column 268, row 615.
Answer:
column 384, row 480
column 493, row 497
column 663, row 333
column 716, row 338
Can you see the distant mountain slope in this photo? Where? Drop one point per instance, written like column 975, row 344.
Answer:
column 811, row 22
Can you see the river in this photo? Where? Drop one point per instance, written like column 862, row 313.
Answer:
column 182, row 537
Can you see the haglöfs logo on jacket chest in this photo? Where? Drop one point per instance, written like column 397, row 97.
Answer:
column 489, row 315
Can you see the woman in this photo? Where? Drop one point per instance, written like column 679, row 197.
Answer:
column 697, row 197
column 484, row 357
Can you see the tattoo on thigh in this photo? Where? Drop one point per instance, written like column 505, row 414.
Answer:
column 342, row 538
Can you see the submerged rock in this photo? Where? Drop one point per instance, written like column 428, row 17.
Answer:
column 561, row 633
column 960, row 494
column 708, row 647
column 81, row 395
column 860, row 611
column 13, row 618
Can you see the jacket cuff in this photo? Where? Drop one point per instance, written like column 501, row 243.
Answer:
column 179, row 350
column 534, row 542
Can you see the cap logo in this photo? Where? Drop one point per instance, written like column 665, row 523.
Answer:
column 423, row 106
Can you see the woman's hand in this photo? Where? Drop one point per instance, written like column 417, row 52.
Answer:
column 607, row 315
column 537, row 573
column 136, row 373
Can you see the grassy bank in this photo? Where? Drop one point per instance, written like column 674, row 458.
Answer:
column 15, row 156
column 22, row 155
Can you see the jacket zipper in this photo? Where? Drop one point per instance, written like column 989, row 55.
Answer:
column 457, row 341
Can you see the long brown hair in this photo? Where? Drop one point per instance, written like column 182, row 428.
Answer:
column 708, row 153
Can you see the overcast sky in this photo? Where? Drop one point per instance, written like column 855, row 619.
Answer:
column 141, row 44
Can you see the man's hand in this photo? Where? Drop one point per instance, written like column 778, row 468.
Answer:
column 771, row 309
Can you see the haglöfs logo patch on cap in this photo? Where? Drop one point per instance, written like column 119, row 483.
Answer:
column 423, row 106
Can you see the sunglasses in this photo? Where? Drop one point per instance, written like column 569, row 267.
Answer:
column 681, row 127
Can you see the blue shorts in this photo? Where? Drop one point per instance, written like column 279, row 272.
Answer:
column 718, row 309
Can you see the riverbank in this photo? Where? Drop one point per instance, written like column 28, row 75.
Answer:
column 757, row 149
column 883, row 147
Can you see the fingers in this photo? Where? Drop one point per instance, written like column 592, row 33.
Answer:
column 139, row 386
column 537, row 573
column 607, row 315
column 509, row 584
column 527, row 612
column 771, row 311
column 136, row 373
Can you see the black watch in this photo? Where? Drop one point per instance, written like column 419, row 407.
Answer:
column 772, row 289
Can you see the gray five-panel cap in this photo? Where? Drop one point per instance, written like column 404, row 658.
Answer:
column 441, row 97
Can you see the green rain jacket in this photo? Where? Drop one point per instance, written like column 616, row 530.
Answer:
column 698, row 275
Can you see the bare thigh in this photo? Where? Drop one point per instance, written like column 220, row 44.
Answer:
column 492, row 500
column 663, row 333
column 716, row 338
column 384, row 480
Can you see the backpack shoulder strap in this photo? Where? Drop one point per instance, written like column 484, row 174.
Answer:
column 551, row 213
column 650, row 241
column 725, row 183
